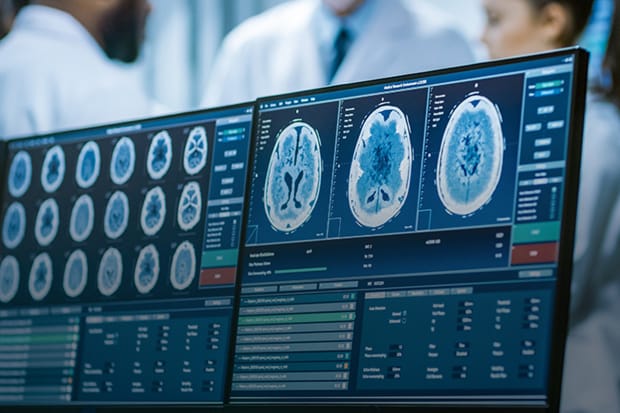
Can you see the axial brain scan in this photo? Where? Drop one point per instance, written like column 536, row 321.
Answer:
column 116, row 215
column 381, row 167
column 76, row 274
column 82, row 218
column 147, row 269
column 123, row 161
column 153, row 211
column 47, row 222
column 183, row 266
column 53, row 171
column 293, row 177
column 110, row 272
column 470, row 157
column 160, row 155
column 88, row 165
column 195, row 153
column 20, row 174
column 14, row 225
column 40, row 280
column 9, row 279
column 190, row 203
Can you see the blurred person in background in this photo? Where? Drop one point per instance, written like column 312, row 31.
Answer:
column 60, row 66
column 8, row 10
column 592, row 363
column 305, row 44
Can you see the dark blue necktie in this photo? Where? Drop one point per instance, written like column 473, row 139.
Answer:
column 341, row 46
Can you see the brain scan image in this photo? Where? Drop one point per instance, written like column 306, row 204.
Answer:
column 9, row 279
column 471, row 156
column 160, row 155
column 195, row 153
column 190, row 203
column 40, row 281
column 147, row 269
column 47, row 222
column 82, row 218
column 110, row 272
column 153, row 211
column 381, row 167
column 116, row 215
column 123, row 161
column 183, row 266
column 293, row 177
column 88, row 165
column 53, row 171
column 20, row 174
column 14, row 225
column 76, row 274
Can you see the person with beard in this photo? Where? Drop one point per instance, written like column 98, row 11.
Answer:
column 62, row 66
column 305, row 44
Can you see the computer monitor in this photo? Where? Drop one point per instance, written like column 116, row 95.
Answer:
column 409, row 240
column 118, row 261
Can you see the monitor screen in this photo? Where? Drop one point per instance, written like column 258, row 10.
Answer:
column 409, row 240
column 118, row 261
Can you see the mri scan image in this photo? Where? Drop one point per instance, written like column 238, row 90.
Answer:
column 76, row 274
column 293, row 177
column 47, row 222
column 116, row 215
column 40, row 281
column 88, row 165
column 9, row 279
column 190, row 204
column 110, row 272
column 20, row 174
column 147, row 269
column 14, row 225
column 381, row 167
column 159, row 156
column 53, row 171
column 183, row 266
column 195, row 153
column 153, row 211
column 82, row 218
column 123, row 161
column 471, row 156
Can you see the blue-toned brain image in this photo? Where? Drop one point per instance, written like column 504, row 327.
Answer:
column 147, row 269
column 195, row 153
column 160, row 155
column 40, row 281
column 20, row 174
column 76, row 274
column 381, row 167
column 183, row 266
column 116, row 215
column 471, row 156
column 82, row 218
column 123, row 161
column 47, row 222
column 88, row 165
column 53, row 171
column 153, row 211
column 110, row 272
column 293, row 177
column 14, row 225
column 190, row 204
column 9, row 279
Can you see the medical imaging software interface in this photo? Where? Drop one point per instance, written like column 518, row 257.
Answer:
column 401, row 239
column 118, row 261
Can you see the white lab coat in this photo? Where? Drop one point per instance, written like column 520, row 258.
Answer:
column 277, row 51
column 53, row 76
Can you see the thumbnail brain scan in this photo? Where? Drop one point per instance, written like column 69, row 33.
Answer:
column 195, row 153
column 123, row 161
column 110, row 272
column 82, row 218
column 41, row 276
column 293, row 177
column 147, row 269
column 9, row 279
column 381, row 167
column 190, row 204
column 471, row 156
column 20, row 174
column 47, row 222
column 14, row 225
column 88, row 165
column 116, row 215
column 53, row 171
column 153, row 211
column 183, row 266
column 160, row 155
column 76, row 274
